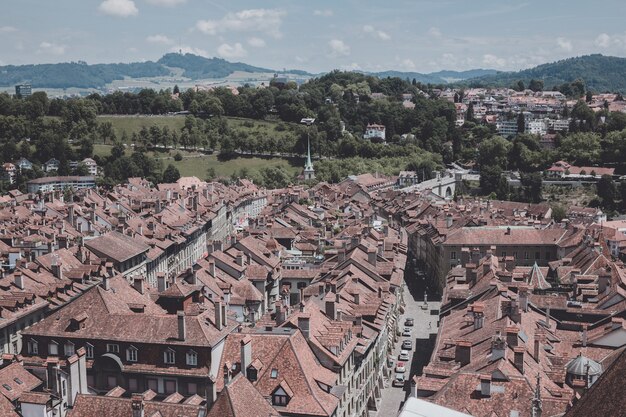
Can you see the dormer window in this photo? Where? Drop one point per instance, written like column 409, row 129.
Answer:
column 281, row 397
column 89, row 350
column 113, row 348
column 131, row 354
column 192, row 358
column 69, row 348
column 33, row 347
column 252, row 374
column 53, row 348
column 274, row 373
column 169, row 356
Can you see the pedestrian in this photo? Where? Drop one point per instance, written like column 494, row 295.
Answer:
column 429, row 326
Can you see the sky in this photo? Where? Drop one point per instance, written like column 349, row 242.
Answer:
column 317, row 36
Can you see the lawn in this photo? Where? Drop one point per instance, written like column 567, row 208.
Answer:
column 197, row 164
column 133, row 124
column 259, row 128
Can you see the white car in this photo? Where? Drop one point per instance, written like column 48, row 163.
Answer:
column 406, row 332
column 398, row 381
column 404, row 355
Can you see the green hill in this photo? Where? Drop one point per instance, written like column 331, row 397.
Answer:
column 197, row 67
column 600, row 73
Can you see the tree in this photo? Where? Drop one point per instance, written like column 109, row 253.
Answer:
column 607, row 191
column 536, row 85
column 521, row 123
column 494, row 152
column 490, row 176
column 558, row 213
column 622, row 192
column 469, row 115
column 117, row 150
column 176, row 89
column 170, row 174
column 580, row 148
column 531, row 187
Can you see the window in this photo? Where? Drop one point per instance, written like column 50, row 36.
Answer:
column 7, row 387
column 111, row 381
column 90, row 380
column 274, row 373
column 131, row 354
column 515, row 255
column 192, row 388
column 33, row 347
column 192, row 358
column 170, row 386
column 153, row 385
column 503, row 254
column 169, row 356
column 53, row 348
column 280, row 397
column 525, row 255
column 453, row 256
column 18, row 381
column 64, row 388
column 89, row 350
column 113, row 348
column 252, row 374
column 536, row 255
column 69, row 348
column 132, row 385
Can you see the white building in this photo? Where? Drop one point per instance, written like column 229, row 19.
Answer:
column 375, row 133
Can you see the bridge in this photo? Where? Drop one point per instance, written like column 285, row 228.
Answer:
column 444, row 184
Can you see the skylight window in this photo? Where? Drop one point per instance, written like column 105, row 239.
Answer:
column 274, row 373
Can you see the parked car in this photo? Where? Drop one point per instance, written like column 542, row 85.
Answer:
column 404, row 355
column 409, row 322
column 398, row 381
column 407, row 345
column 406, row 332
column 390, row 362
column 400, row 367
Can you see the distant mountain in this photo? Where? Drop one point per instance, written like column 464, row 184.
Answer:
column 197, row 67
column 463, row 75
column 600, row 73
column 440, row 77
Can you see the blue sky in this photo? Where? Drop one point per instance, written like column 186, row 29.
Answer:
column 370, row 35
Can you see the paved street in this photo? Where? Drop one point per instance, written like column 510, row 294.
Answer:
column 423, row 336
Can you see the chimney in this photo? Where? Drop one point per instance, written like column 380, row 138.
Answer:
column 57, row 269
column 71, row 214
column 485, row 385
column 523, row 298
column 182, row 333
column 246, row 354
column 479, row 315
column 371, row 255
column 357, row 298
column 508, row 231
column 381, row 248
column 498, row 347
column 280, row 313
column 138, row 283
column 212, row 268
column 463, row 352
column 106, row 284
column 193, row 277
column 140, row 230
column 74, row 379
column 341, row 254
column 320, row 289
column 161, row 281
column 331, row 306
column 302, row 299
column 584, row 336
column 82, row 370
column 548, row 316
column 239, row 258
column 218, row 315
column 224, row 316
column 19, row 279
column 210, row 393
column 538, row 340
column 518, row 358
column 449, row 220
column 511, row 336
column 304, row 322
column 380, row 292
column 465, row 256
column 137, row 405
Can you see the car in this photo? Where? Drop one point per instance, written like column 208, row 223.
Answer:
column 406, row 332
column 404, row 355
column 398, row 381
column 400, row 368
column 407, row 345
column 409, row 322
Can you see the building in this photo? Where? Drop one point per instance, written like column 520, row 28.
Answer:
column 9, row 172
column 51, row 165
column 562, row 169
column 309, row 171
column 24, row 163
column 375, row 133
column 48, row 184
column 506, row 128
column 23, row 90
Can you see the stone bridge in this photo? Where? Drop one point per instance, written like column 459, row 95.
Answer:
column 444, row 184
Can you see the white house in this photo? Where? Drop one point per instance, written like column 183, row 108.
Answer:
column 375, row 133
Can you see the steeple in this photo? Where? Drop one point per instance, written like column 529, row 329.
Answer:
column 309, row 172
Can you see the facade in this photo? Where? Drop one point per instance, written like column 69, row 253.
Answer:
column 49, row 184
column 375, row 133
column 23, row 90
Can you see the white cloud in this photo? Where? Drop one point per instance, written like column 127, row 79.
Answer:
column 121, row 8
column 325, row 12
column 383, row 36
column 351, row 67
column 256, row 42
column 266, row 21
column 166, row 3
column 186, row 49
column 408, row 64
column 564, row 44
column 493, row 61
column 51, row 48
column 603, row 40
column 7, row 29
column 231, row 51
column 161, row 39
column 301, row 60
column 434, row 32
column 338, row 48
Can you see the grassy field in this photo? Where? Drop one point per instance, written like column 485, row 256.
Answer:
column 197, row 164
column 133, row 124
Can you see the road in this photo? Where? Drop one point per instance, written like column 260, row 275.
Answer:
column 423, row 336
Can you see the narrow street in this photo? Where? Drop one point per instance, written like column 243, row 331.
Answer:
column 423, row 336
